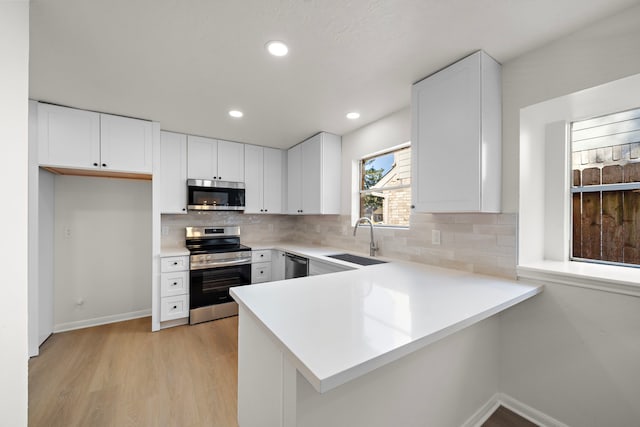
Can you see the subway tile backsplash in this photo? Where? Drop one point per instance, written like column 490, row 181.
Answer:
column 481, row 243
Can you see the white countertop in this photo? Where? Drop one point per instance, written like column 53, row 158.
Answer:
column 173, row 251
column 340, row 326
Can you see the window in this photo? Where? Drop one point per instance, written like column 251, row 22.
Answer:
column 544, row 214
column 605, row 188
column 385, row 187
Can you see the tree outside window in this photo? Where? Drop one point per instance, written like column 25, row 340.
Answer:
column 385, row 189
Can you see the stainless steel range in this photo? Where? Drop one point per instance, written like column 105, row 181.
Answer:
column 218, row 261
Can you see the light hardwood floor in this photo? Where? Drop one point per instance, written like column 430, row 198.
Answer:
column 123, row 374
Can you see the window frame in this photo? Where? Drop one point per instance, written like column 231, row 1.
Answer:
column 595, row 188
column 544, row 231
column 360, row 190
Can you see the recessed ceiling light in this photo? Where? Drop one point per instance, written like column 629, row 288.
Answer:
column 277, row 48
column 235, row 113
column 353, row 115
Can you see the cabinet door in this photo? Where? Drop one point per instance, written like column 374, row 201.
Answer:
column 125, row 144
column 230, row 161
column 173, row 173
column 446, row 142
column 202, row 158
column 294, row 178
column 253, row 161
column 277, row 264
column 273, row 162
column 312, row 175
column 68, row 137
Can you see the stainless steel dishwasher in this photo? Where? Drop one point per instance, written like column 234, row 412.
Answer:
column 295, row 266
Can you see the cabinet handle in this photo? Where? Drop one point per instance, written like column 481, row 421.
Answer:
column 261, row 255
column 266, row 210
column 175, row 262
column 261, row 272
column 104, row 165
column 95, row 164
column 175, row 284
column 175, row 306
column 184, row 209
column 413, row 206
column 261, row 210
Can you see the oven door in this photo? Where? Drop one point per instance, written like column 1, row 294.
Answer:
column 210, row 286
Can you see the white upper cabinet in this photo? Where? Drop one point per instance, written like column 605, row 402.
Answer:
column 294, row 180
column 273, row 180
column 215, row 159
column 230, row 161
column 253, row 179
column 202, row 155
column 456, row 138
column 173, row 173
column 314, row 175
column 125, row 144
column 68, row 137
column 263, row 179
column 78, row 139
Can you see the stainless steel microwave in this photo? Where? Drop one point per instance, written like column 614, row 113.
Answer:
column 208, row 195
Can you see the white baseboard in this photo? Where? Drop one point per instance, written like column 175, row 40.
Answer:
column 79, row 324
column 482, row 414
column 525, row 411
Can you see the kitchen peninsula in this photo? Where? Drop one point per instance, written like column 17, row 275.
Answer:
column 390, row 344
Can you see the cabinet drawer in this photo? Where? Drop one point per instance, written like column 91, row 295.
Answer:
column 261, row 272
column 176, row 283
column 174, row 263
column 261, row 256
column 174, row 307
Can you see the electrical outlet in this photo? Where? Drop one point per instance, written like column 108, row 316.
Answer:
column 435, row 237
column 67, row 232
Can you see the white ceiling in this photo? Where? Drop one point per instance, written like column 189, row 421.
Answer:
column 186, row 63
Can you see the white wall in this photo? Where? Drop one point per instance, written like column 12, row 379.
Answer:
column 605, row 51
column 102, row 245
column 380, row 135
column 571, row 353
column 45, row 246
column 14, row 54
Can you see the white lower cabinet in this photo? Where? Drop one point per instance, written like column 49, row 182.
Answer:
column 261, row 272
column 172, row 308
column 174, row 288
column 175, row 283
column 277, row 265
column 261, row 266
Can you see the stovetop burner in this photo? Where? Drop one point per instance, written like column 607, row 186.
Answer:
column 198, row 250
column 214, row 239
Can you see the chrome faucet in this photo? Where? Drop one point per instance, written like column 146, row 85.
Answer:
column 372, row 246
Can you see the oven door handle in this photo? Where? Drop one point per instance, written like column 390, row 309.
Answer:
column 240, row 261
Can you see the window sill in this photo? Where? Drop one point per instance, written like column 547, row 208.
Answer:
column 606, row 278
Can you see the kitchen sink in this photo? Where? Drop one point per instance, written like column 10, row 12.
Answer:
column 355, row 259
